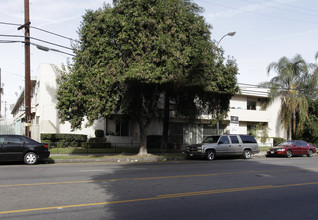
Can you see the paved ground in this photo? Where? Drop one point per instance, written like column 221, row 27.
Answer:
column 120, row 158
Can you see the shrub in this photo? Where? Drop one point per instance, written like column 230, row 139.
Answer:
column 278, row 140
column 64, row 140
column 98, row 143
column 99, row 133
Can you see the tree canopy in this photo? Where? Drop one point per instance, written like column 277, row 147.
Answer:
column 129, row 52
column 296, row 84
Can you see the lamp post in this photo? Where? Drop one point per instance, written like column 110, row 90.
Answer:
column 228, row 34
column 231, row 34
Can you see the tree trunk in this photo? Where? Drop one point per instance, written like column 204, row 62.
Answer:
column 143, row 137
column 289, row 136
column 294, row 125
column 165, row 131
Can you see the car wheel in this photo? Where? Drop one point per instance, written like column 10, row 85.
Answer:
column 30, row 158
column 210, row 155
column 289, row 153
column 247, row 154
column 310, row 153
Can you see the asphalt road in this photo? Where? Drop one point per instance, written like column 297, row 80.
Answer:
column 259, row 188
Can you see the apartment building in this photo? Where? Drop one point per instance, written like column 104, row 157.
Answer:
column 247, row 111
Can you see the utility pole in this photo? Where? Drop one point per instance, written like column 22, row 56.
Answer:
column 1, row 91
column 27, row 89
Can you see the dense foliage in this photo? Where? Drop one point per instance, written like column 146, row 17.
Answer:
column 131, row 52
column 296, row 84
column 311, row 126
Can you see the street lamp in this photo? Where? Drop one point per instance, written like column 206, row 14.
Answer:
column 228, row 34
column 217, row 46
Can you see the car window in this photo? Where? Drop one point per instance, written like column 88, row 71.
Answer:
column 2, row 140
column 248, row 139
column 301, row 143
column 211, row 139
column 224, row 140
column 14, row 140
column 234, row 139
column 288, row 143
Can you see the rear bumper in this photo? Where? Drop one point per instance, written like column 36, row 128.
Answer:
column 44, row 155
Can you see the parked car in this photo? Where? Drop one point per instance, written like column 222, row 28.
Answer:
column 224, row 145
column 292, row 147
column 21, row 148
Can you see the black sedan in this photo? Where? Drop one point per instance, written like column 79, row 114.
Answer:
column 21, row 148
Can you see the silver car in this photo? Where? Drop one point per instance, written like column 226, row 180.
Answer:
column 224, row 145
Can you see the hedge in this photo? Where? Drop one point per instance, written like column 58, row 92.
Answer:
column 64, row 140
column 278, row 140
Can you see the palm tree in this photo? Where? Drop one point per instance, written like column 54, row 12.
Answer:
column 290, row 85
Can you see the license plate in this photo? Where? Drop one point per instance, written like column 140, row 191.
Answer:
column 272, row 152
column 191, row 155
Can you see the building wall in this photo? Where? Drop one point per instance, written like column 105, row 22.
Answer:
column 45, row 117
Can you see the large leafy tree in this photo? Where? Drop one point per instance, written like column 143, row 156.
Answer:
column 131, row 53
column 311, row 126
column 291, row 85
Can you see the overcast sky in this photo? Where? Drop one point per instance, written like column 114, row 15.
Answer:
column 266, row 30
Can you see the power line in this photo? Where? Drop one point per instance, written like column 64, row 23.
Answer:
column 293, row 6
column 257, row 13
column 6, row 23
column 40, row 47
column 33, row 38
column 279, row 8
column 59, row 35
column 9, row 41
column 37, row 39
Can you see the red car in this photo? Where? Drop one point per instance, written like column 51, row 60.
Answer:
column 290, row 148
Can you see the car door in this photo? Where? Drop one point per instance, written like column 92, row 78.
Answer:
column 236, row 147
column 297, row 148
column 12, row 149
column 304, row 147
column 2, row 142
column 223, row 146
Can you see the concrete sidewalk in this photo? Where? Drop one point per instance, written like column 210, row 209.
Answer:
column 121, row 158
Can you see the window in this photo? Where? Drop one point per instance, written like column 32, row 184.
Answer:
column 122, row 127
column 2, row 140
column 234, row 139
column 251, row 105
column 14, row 140
column 301, row 143
column 251, row 129
column 211, row 139
column 248, row 139
column 224, row 140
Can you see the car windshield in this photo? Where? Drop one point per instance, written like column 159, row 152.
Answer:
column 211, row 139
column 287, row 143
